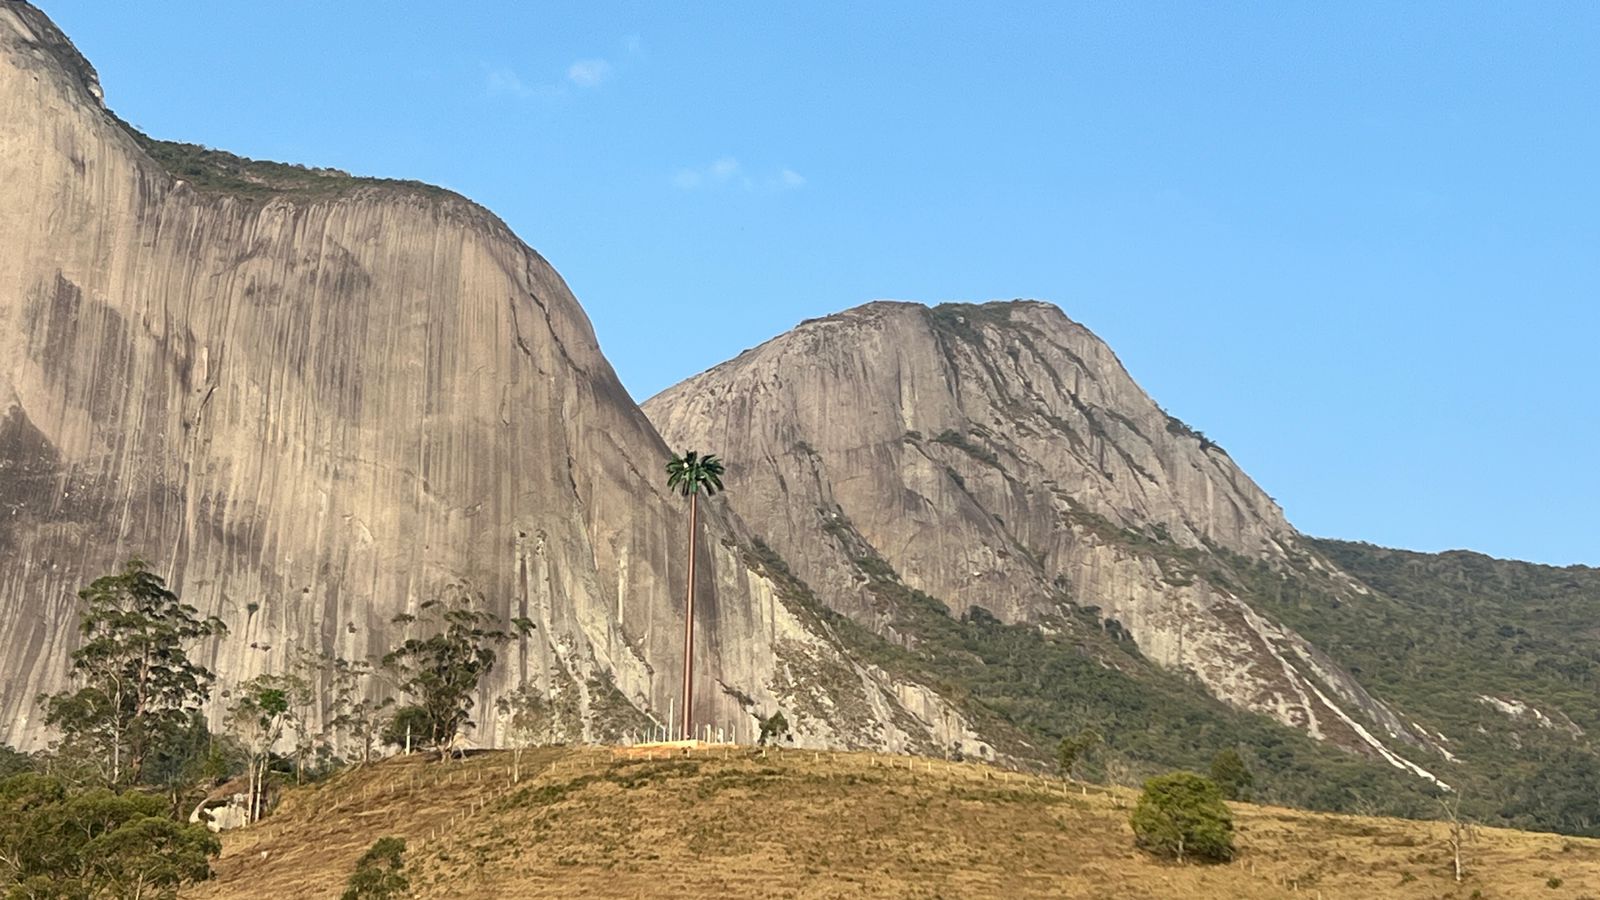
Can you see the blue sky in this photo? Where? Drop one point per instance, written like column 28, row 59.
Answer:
column 1357, row 244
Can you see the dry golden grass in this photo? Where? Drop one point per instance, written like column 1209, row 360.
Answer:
column 721, row 823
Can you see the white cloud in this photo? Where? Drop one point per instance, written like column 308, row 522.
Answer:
column 501, row 80
column 583, row 74
column 588, row 73
column 727, row 172
column 719, row 172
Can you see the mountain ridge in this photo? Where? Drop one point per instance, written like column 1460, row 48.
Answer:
column 1444, row 678
column 1045, row 455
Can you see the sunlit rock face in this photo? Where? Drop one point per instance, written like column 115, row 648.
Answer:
column 312, row 402
column 999, row 456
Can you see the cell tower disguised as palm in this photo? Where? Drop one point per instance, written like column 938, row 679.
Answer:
column 690, row 474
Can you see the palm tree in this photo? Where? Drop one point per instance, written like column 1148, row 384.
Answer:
column 690, row 474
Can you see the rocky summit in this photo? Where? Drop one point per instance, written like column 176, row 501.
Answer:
column 998, row 456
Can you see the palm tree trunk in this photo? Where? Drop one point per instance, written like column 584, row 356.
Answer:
column 688, row 627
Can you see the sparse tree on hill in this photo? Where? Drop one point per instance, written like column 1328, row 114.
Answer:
column 1073, row 752
column 1182, row 815
column 352, row 711
column 1232, row 776
column 1461, row 830
column 303, row 698
column 1119, row 771
column 442, row 670
column 407, row 728
column 257, row 717
column 527, row 717
column 690, row 475
column 188, row 762
column 336, row 692
column 774, row 728
column 136, row 681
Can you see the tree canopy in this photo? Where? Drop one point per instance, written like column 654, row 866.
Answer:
column 441, row 669
column 137, row 684
column 1182, row 815
column 94, row 844
column 692, row 474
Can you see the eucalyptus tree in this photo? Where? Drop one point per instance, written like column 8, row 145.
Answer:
column 441, row 668
column 352, row 711
column 528, row 716
column 260, row 712
column 135, row 681
column 65, row 844
column 691, row 474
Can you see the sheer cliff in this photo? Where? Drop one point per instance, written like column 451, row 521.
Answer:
column 312, row 401
column 998, row 456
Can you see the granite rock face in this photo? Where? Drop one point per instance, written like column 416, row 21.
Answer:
column 999, row 456
column 315, row 401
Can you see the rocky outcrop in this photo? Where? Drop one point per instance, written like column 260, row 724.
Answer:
column 1518, row 710
column 999, row 456
column 312, row 401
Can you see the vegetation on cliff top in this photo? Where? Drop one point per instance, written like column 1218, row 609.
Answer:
column 211, row 171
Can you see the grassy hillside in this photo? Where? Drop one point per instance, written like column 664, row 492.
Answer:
column 1475, row 625
column 801, row 824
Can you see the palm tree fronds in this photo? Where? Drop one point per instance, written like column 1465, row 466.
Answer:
column 692, row 473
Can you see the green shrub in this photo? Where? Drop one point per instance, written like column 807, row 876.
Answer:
column 1073, row 750
column 1231, row 774
column 59, row 842
column 1182, row 815
column 408, row 727
column 378, row 874
column 773, row 729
